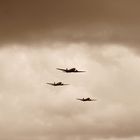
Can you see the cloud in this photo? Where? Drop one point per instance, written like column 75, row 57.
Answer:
column 32, row 110
column 91, row 21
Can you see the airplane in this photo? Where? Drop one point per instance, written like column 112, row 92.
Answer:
column 86, row 99
column 70, row 70
column 57, row 84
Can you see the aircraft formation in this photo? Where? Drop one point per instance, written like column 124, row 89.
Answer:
column 71, row 70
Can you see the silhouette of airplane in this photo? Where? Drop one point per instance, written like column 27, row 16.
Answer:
column 70, row 70
column 86, row 99
column 57, row 84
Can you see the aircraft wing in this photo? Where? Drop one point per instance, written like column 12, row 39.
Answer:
column 80, row 71
column 61, row 69
column 50, row 84
column 65, row 84
column 80, row 99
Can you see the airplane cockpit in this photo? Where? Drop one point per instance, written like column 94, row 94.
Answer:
column 74, row 69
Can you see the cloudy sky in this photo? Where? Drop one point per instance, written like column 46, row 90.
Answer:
column 99, row 36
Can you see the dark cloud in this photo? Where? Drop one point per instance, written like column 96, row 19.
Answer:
column 95, row 21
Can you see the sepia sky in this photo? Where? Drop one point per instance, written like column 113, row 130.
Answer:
column 101, row 37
